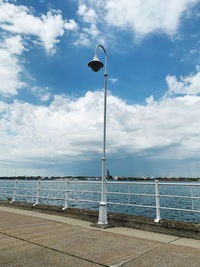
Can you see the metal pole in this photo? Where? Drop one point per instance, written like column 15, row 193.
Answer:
column 103, row 204
column 158, row 218
column 37, row 194
column 66, row 196
column 14, row 193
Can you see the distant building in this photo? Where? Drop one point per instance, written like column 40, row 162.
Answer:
column 109, row 176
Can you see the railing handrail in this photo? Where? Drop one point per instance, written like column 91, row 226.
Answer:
column 17, row 185
column 141, row 182
column 179, row 184
column 132, row 182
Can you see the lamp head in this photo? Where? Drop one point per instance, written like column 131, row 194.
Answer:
column 95, row 64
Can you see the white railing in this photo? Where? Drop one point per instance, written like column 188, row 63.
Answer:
column 20, row 189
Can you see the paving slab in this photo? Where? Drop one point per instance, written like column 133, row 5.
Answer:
column 18, row 253
column 143, row 234
column 167, row 255
column 51, row 217
column 188, row 242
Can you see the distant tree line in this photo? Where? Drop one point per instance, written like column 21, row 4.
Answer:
column 43, row 178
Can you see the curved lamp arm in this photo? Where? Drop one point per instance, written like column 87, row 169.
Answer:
column 99, row 45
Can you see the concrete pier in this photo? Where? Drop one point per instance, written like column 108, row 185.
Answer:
column 30, row 238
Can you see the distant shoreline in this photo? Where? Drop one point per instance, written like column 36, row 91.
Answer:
column 29, row 178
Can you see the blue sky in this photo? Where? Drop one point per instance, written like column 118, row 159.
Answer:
column 51, row 103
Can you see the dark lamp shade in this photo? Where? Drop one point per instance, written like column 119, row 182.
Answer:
column 95, row 64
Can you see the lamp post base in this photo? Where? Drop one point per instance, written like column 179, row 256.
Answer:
column 102, row 214
column 157, row 220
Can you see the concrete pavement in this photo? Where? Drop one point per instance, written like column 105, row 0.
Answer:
column 29, row 238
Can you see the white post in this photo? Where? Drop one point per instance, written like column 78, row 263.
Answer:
column 157, row 195
column 96, row 65
column 14, row 192
column 129, row 200
column 37, row 194
column 192, row 197
column 103, row 204
column 66, row 196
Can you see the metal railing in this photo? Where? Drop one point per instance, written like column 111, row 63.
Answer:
column 40, row 191
column 158, row 197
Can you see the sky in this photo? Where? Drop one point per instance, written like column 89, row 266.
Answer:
column 51, row 103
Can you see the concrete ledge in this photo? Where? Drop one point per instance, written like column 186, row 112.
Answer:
column 182, row 229
column 102, row 226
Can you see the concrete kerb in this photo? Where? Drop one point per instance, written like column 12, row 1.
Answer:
column 181, row 229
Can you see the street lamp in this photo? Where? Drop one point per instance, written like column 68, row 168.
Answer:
column 96, row 65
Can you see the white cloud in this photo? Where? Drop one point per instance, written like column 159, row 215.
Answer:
column 18, row 23
column 88, row 14
column 92, row 31
column 145, row 17
column 141, row 17
column 71, row 25
column 193, row 51
column 42, row 93
column 113, row 80
column 187, row 85
column 83, row 40
column 14, row 44
column 90, row 17
column 48, row 28
column 150, row 100
column 72, row 128
column 45, row 97
column 10, row 66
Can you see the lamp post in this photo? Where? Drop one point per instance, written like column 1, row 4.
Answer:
column 96, row 65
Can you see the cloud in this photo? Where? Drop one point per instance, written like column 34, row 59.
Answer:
column 17, row 24
column 113, row 80
column 92, row 31
column 72, row 129
column 88, row 14
column 83, row 40
column 14, row 44
column 145, row 17
column 193, row 51
column 41, row 93
column 48, row 28
column 187, row 85
column 90, row 17
column 71, row 25
column 140, row 17
column 10, row 66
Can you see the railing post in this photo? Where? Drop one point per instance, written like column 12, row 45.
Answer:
column 129, row 201
column 14, row 192
column 66, row 196
column 37, row 194
column 192, row 198
column 157, row 195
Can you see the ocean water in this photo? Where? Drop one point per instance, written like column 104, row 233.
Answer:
column 53, row 193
